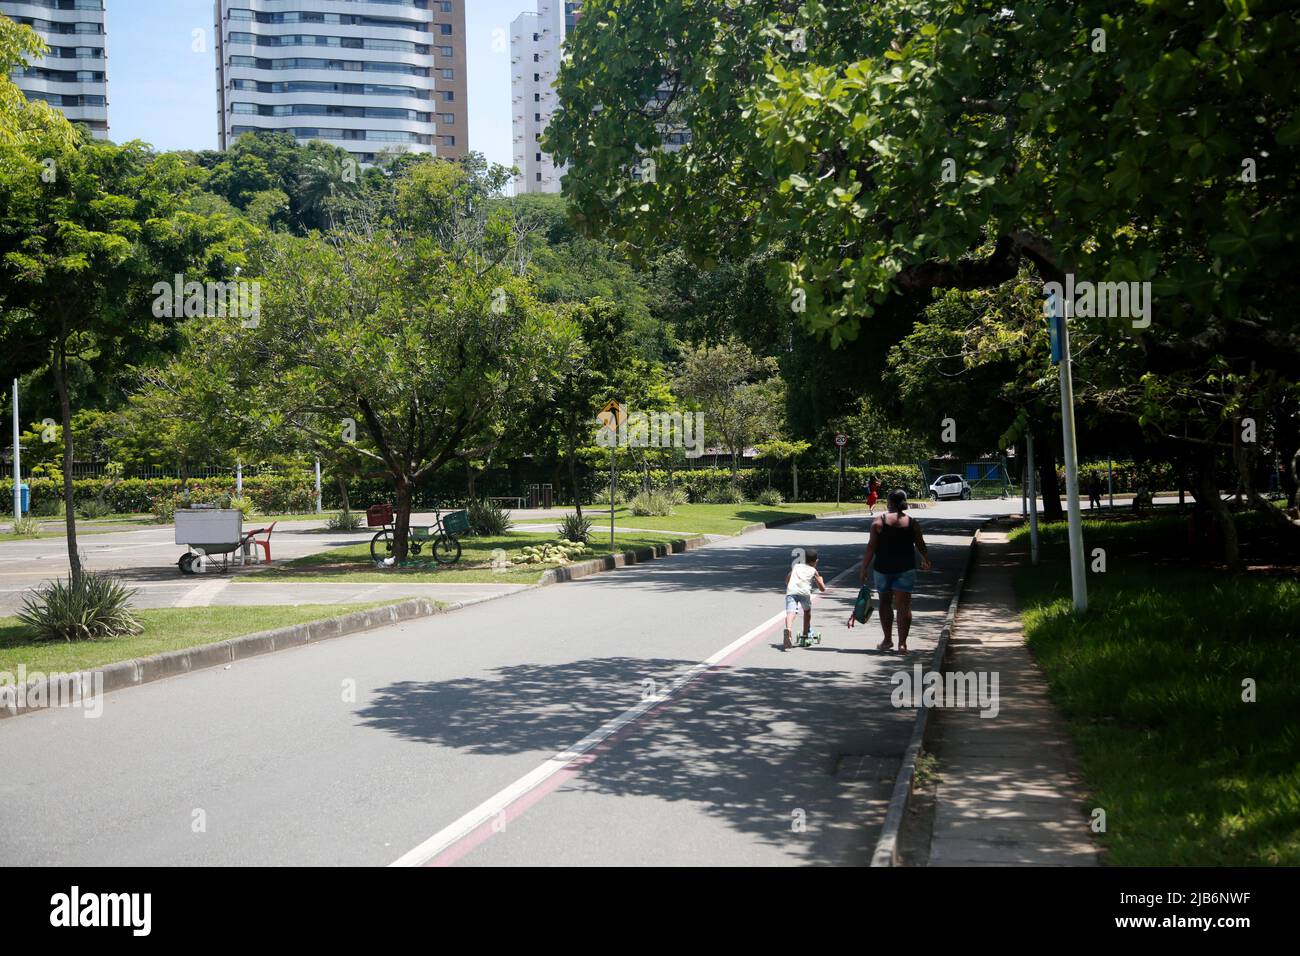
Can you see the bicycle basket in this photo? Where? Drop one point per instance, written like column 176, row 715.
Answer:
column 379, row 515
column 456, row 523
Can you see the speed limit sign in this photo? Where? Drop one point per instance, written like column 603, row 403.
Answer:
column 841, row 440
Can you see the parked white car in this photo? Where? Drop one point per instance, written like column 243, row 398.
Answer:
column 950, row 486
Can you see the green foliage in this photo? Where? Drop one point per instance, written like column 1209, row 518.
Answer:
column 652, row 503
column 739, row 393
column 163, row 507
column 245, row 505
column 728, row 494
column 574, row 527
column 93, row 509
column 91, row 608
column 344, row 521
column 28, row 526
column 23, row 120
column 770, row 497
column 487, row 519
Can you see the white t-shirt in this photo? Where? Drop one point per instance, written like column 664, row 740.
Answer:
column 801, row 578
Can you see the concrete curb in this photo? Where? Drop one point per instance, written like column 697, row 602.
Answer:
column 144, row 670
column 585, row 569
column 886, row 852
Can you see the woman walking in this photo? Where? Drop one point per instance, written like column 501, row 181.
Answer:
column 895, row 539
column 873, row 490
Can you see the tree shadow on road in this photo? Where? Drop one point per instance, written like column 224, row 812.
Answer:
column 760, row 748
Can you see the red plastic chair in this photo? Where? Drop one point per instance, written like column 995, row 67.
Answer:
column 265, row 543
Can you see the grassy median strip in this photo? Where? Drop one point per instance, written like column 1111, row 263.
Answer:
column 716, row 519
column 1151, row 681
column 354, row 564
column 165, row 629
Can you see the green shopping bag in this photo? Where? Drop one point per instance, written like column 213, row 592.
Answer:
column 862, row 609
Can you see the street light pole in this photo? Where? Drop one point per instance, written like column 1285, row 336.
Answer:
column 1078, row 582
column 18, row 471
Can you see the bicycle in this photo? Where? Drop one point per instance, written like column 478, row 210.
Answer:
column 442, row 537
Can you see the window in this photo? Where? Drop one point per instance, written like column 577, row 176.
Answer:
column 444, row 6
column 448, row 73
column 444, row 29
column 539, row 157
column 447, row 96
column 446, row 51
column 448, row 140
column 447, row 119
column 539, row 177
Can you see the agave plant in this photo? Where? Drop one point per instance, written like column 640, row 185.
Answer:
column 96, row 608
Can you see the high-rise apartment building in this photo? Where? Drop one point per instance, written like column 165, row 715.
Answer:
column 536, row 44
column 73, row 75
column 369, row 76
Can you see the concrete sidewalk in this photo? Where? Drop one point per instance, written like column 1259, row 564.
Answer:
column 1009, row 788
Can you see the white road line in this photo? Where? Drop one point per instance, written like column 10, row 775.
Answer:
column 452, row 833
column 202, row 595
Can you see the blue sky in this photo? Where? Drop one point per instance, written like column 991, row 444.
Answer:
column 164, row 93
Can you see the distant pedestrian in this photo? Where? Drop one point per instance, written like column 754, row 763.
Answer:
column 891, row 556
column 803, row 577
column 873, row 495
column 1094, row 491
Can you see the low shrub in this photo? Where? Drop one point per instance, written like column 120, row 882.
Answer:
column 28, row 526
column 601, row 496
column 245, row 506
column 487, row 519
column 48, row 506
column 576, row 527
column 344, row 521
column 727, row 495
column 770, row 497
column 96, row 608
column 653, row 504
column 163, row 508
column 92, row 509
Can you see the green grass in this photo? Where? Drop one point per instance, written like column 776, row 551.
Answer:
column 475, row 566
column 165, row 629
column 714, row 519
column 1151, row 683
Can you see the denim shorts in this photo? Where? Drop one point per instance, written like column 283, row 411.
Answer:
column 797, row 602
column 902, row 581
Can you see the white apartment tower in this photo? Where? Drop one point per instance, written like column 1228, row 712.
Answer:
column 369, row 76
column 536, row 43
column 73, row 75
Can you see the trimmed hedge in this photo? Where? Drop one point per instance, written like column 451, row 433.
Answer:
column 288, row 494
column 815, row 484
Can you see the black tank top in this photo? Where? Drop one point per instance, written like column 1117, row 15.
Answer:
column 894, row 550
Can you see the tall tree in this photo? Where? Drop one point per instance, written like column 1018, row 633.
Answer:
column 916, row 145
column 80, row 253
column 740, row 394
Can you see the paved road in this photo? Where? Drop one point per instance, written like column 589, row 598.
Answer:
column 769, row 757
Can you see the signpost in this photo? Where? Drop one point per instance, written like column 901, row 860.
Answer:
column 1060, row 325
column 840, row 441
column 18, row 471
